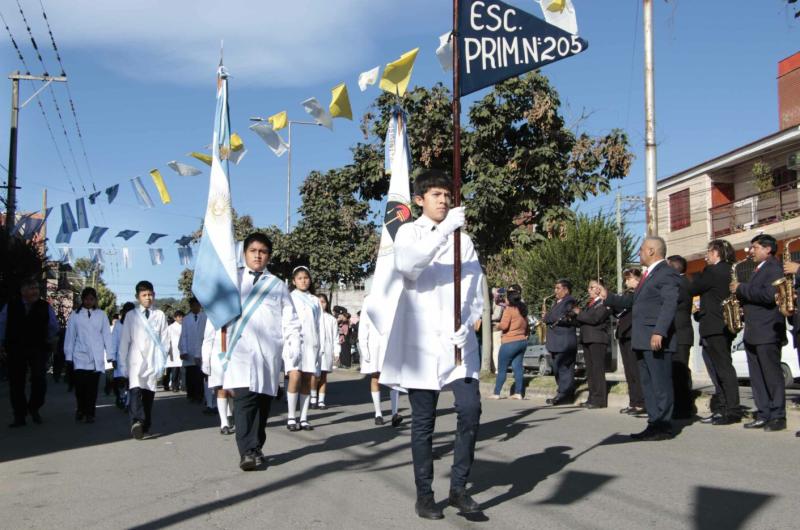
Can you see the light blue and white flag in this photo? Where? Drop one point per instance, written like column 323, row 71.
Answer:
column 80, row 211
column 141, row 194
column 185, row 255
column 63, row 236
column 66, row 255
column 156, row 256
column 97, row 233
column 96, row 255
column 127, row 234
column 216, row 283
column 68, row 224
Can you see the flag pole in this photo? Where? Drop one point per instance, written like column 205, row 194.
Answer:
column 456, row 179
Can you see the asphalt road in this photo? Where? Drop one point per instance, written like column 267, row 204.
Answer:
column 536, row 467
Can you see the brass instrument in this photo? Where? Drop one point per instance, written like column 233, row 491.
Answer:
column 732, row 312
column 541, row 327
column 785, row 297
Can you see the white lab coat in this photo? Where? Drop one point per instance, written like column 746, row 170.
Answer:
column 191, row 341
column 255, row 361
column 137, row 352
column 419, row 353
column 87, row 339
column 309, row 311
column 212, row 364
column 113, row 354
column 330, row 342
column 174, row 354
column 371, row 345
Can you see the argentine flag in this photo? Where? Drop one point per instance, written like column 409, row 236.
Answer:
column 215, row 281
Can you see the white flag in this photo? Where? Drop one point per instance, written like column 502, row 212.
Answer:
column 319, row 114
column 370, row 77
column 66, row 255
column 156, row 256
column 445, row 51
column 560, row 13
column 126, row 257
column 96, row 255
column 270, row 137
column 184, row 170
column 236, row 156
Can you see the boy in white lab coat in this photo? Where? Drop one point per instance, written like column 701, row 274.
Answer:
column 251, row 363
column 86, row 342
column 172, row 377
column 420, row 349
column 142, row 355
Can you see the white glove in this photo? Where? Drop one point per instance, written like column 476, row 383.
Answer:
column 459, row 338
column 453, row 221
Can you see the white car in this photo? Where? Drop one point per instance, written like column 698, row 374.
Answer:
column 789, row 359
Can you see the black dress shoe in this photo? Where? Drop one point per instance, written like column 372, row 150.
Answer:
column 627, row 410
column 260, row 459
column 797, row 434
column 776, row 424
column 37, row 419
column 729, row 419
column 645, row 433
column 710, row 419
column 461, row 500
column 16, row 423
column 248, row 462
column 378, row 420
column 427, row 509
column 755, row 424
column 137, row 430
column 397, row 419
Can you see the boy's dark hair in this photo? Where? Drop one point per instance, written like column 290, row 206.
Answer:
column 179, row 313
column 432, row 178
column 261, row 238
column 144, row 285
column 766, row 240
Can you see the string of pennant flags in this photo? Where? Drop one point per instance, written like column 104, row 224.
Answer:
column 394, row 79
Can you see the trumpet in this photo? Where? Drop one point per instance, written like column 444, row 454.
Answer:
column 541, row 327
column 732, row 312
column 785, row 297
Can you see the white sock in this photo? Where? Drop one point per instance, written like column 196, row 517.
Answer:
column 321, row 398
column 291, row 399
column 376, row 402
column 222, row 410
column 304, row 402
column 313, row 396
column 394, row 395
column 230, row 408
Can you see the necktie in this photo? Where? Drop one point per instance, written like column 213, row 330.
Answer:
column 88, row 314
column 146, row 313
column 642, row 280
column 256, row 275
column 195, row 318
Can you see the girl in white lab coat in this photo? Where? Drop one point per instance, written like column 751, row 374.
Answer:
column 87, row 339
column 329, row 341
column 301, row 370
column 120, row 382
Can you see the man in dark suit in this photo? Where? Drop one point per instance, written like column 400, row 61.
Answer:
column 684, row 331
column 593, row 322
column 654, row 304
column 764, row 333
column 561, row 342
column 712, row 285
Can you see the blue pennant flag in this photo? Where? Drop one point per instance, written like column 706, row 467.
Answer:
column 184, row 241
column 63, row 236
column 68, row 224
column 96, row 255
column 93, row 197
column 127, row 234
column 97, row 233
column 111, row 193
column 141, row 194
column 154, row 237
column 80, row 211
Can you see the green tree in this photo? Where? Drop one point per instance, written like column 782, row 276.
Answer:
column 87, row 273
column 19, row 260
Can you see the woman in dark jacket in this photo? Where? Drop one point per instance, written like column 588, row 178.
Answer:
column 593, row 322
column 635, row 396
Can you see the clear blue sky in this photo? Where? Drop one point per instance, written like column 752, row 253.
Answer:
column 142, row 78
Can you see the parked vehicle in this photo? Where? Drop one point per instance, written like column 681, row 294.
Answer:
column 789, row 360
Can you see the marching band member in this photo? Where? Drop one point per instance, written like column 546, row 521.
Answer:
column 684, row 331
column 561, row 342
column 593, row 322
column 629, row 363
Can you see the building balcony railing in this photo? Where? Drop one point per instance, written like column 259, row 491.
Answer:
column 746, row 213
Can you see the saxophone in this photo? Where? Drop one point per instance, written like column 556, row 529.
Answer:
column 541, row 327
column 784, row 287
column 732, row 312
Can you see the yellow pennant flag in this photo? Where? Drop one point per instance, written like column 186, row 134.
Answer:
column 556, row 6
column 160, row 186
column 278, row 121
column 236, row 142
column 202, row 157
column 340, row 102
column 396, row 75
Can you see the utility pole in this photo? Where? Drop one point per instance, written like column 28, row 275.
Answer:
column 651, row 207
column 15, row 77
column 634, row 203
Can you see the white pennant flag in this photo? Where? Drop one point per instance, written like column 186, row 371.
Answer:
column 560, row 13
column 126, row 257
column 370, row 77
column 236, row 156
column 66, row 255
column 270, row 137
column 445, row 51
column 184, row 170
column 96, row 255
column 319, row 114
column 156, row 256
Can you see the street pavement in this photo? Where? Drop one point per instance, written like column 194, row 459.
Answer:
column 536, row 467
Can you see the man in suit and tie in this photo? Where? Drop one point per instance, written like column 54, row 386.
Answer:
column 654, row 304
column 684, row 331
column 764, row 333
column 561, row 342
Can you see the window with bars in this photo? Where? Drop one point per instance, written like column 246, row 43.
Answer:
column 679, row 215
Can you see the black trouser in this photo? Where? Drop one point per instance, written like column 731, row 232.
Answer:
column 564, row 372
column 629, row 362
column 19, row 364
column 140, row 404
column 423, row 420
column 250, row 413
column 682, row 382
column 172, row 378
column 766, row 380
column 58, row 364
column 655, row 369
column 723, row 374
column 594, row 355
column 86, row 382
column 194, row 383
